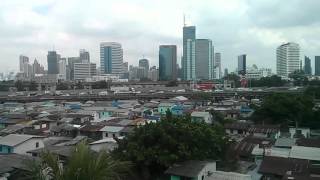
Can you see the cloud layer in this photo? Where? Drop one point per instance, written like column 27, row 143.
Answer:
column 32, row 27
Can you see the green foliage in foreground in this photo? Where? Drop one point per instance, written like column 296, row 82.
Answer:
column 83, row 164
column 156, row 146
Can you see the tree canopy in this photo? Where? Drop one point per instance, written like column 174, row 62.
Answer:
column 156, row 146
column 287, row 110
column 272, row 81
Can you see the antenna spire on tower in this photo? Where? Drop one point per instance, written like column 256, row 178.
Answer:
column 184, row 20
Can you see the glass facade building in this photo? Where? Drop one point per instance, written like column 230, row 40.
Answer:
column 167, row 62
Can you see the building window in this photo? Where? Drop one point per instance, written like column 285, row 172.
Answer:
column 0, row 148
column 113, row 135
column 37, row 144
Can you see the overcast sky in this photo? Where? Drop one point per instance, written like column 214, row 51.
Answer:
column 254, row 27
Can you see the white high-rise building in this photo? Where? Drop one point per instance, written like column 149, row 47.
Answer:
column 111, row 58
column 288, row 56
column 189, row 53
column 217, row 66
column 190, row 64
column 22, row 61
column 82, row 71
column 63, row 69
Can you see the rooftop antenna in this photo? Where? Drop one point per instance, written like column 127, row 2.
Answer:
column 184, row 20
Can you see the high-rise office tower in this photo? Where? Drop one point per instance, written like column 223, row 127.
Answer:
column 84, row 56
column 63, row 69
column 153, row 74
column 125, row 67
column 37, row 68
column 288, row 59
column 226, row 72
column 204, row 59
column 22, row 61
column 307, row 65
column 70, row 70
column 144, row 63
column 111, row 58
column 167, row 62
column 84, row 70
column 242, row 64
column 53, row 59
column 217, row 66
column 317, row 66
column 189, row 53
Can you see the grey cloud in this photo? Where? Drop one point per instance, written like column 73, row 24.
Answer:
column 279, row 14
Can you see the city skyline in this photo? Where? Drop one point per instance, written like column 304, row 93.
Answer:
column 235, row 27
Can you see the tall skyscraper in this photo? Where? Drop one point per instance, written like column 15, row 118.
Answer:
column 217, row 66
column 189, row 53
column 204, row 59
column 167, row 62
column 242, row 64
column 53, row 59
column 63, row 69
column 70, row 70
column 288, row 56
column 153, row 74
column 84, row 70
column 144, row 63
column 84, row 56
column 37, row 68
column 22, row 61
column 317, row 66
column 226, row 72
column 111, row 58
column 125, row 66
column 307, row 65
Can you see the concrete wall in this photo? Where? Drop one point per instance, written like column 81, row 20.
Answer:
column 210, row 167
column 110, row 134
column 103, row 146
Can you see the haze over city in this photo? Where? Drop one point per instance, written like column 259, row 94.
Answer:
column 255, row 28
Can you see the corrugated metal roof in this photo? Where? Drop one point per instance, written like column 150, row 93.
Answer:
column 309, row 153
column 113, row 129
column 221, row 175
column 200, row 114
column 16, row 139
column 285, row 142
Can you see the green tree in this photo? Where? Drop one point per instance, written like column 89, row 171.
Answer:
column 83, row 164
column 285, row 109
column 19, row 85
column 33, row 86
column 235, row 79
column 172, row 84
column 100, row 85
column 313, row 91
column 299, row 78
column 272, row 81
column 156, row 146
column 217, row 116
column 62, row 86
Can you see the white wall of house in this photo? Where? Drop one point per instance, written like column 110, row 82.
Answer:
column 210, row 167
column 28, row 146
column 109, row 146
column 110, row 134
column 304, row 131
